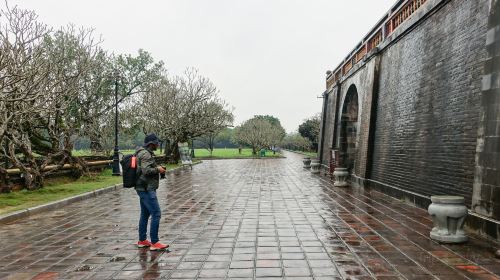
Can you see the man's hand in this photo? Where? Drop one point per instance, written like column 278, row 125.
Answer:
column 161, row 170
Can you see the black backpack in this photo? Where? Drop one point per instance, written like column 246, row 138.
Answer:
column 129, row 170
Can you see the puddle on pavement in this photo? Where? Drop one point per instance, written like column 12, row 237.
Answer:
column 84, row 268
column 117, row 259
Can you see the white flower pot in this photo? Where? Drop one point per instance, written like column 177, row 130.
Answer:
column 315, row 166
column 448, row 214
column 307, row 162
column 340, row 175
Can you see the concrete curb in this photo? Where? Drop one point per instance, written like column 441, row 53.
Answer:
column 7, row 218
column 215, row 158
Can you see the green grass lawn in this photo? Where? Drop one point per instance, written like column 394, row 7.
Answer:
column 58, row 188
column 310, row 154
column 229, row 153
column 199, row 153
column 55, row 189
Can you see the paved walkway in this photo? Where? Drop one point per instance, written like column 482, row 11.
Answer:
column 242, row 219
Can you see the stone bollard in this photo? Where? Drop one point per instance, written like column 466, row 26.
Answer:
column 307, row 162
column 448, row 214
column 315, row 166
column 340, row 175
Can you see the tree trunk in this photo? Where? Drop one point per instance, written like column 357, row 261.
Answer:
column 168, row 151
column 33, row 179
column 31, row 174
column 79, row 167
column 174, row 148
column 176, row 155
column 4, row 183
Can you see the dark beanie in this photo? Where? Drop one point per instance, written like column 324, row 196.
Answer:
column 151, row 139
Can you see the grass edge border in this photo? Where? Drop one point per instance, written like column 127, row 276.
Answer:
column 10, row 217
column 19, row 214
column 222, row 158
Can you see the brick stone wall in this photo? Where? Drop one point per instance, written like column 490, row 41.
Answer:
column 329, row 126
column 486, row 198
column 429, row 103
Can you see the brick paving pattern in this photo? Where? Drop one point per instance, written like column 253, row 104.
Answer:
column 242, row 219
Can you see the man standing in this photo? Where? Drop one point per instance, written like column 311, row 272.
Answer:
column 146, row 186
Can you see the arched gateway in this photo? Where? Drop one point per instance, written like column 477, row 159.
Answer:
column 348, row 128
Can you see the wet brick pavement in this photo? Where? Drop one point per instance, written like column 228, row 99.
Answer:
column 242, row 219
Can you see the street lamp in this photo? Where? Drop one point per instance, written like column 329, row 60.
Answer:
column 116, row 157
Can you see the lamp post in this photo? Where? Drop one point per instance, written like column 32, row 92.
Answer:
column 116, row 157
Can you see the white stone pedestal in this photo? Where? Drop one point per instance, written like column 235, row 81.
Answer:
column 448, row 213
column 307, row 162
column 315, row 166
column 340, row 175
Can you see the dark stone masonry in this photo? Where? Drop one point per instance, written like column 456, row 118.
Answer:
column 428, row 110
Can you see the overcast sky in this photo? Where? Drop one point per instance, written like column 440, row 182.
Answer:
column 265, row 56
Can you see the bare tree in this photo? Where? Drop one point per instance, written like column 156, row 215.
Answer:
column 257, row 133
column 55, row 118
column 183, row 108
column 134, row 75
column 216, row 120
column 295, row 141
column 23, row 76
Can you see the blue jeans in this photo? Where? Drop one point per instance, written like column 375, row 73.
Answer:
column 149, row 207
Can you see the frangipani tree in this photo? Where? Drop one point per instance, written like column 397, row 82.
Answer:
column 182, row 108
column 257, row 133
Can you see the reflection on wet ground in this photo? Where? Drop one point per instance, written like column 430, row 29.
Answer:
column 242, row 219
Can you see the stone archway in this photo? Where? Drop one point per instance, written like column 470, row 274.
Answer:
column 348, row 128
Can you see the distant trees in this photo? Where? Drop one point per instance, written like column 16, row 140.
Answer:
column 222, row 139
column 209, row 140
column 295, row 141
column 275, row 122
column 309, row 129
column 259, row 132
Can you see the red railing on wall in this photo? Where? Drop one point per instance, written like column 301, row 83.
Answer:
column 377, row 36
column 403, row 14
column 334, row 78
column 375, row 40
column 360, row 54
column 347, row 66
